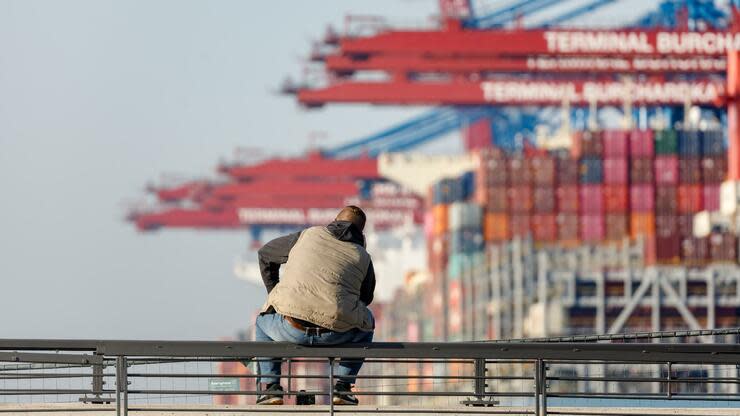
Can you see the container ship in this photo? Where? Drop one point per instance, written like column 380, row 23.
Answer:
column 622, row 232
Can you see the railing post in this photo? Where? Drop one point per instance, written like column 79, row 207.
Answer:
column 543, row 381
column 480, row 381
column 121, row 386
column 331, row 386
column 97, row 385
column 540, row 388
column 669, row 389
column 537, row 386
column 290, row 377
column 480, row 385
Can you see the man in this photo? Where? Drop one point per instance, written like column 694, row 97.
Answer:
column 320, row 298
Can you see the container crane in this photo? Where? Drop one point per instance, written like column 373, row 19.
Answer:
column 226, row 204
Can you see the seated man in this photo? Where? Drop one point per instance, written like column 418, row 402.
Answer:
column 320, row 298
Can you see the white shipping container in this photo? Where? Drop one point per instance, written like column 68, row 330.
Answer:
column 729, row 197
column 705, row 222
column 702, row 224
column 464, row 215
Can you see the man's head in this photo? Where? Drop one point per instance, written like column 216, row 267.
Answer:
column 352, row 214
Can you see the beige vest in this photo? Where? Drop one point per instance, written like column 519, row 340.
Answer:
column 321, row 282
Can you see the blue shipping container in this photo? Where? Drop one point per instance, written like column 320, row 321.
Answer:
column 591, row 170
column 466, row 240
column 468, row 185
column 712, row 143
column 447, row 191
column 689, row 143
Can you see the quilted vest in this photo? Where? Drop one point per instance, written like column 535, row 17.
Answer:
column 321, row 282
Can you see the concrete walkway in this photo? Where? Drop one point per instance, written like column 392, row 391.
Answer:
column 78, row 409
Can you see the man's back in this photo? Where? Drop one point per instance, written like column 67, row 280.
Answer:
column 322, row 280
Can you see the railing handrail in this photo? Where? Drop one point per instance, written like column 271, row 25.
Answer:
column 570, row 351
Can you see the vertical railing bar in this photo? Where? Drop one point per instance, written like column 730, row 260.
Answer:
column 290, row 373
column 537, row 386
column 668, row 377
column 543, row 378
column 124, row 384
column 331, row 386
column 119, row 365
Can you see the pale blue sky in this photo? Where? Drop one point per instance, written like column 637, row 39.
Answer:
column 97, row 98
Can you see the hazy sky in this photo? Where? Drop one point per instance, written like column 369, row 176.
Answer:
column 99, row 97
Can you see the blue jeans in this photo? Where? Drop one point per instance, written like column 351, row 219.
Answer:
column 273, row 327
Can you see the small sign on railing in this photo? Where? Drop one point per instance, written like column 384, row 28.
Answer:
column 223, row 384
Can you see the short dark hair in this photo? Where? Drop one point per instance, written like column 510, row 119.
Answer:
column 353, row 214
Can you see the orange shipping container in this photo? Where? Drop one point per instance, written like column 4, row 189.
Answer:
column 496, row 227
column 642, row 224
column 690, row 198
column 440, row 218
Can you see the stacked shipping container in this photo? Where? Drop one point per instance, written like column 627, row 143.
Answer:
column 612, row 186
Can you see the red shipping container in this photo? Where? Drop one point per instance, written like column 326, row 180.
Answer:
column 544, row 200
column 520, row 172
column 723, row 247
column 666, row 226
column 437, row 253
column 587, row 143
column 568, row 228
column 641, row 143
column 685, row 224
column 666, row 200
column 641, row 170
column 666, row 170
column 714, row 169
column 695, row 250
column 616, row 143
column 544, row 227
column 642, row 198
column 496, row 200
column 520, row 225
column 615, row 171
column 615, row 199
column 689, row 170
column 616, row 226
column 478, row 135
column 492, row 170
column 567, row 171
column 711, row 197
column 592, row 228
column 520, row 199
column 567, row 199
column 543, row 170
column 668, row 249
column 649, row 252
column 690, row 199
column 592, row 199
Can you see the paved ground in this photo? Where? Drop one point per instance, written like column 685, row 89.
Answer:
column 161, row 410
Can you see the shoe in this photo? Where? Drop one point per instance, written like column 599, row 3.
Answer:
column 343, row 395
column 273, row 394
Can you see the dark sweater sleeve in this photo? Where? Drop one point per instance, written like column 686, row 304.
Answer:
column 272, row 255
column 367, row 290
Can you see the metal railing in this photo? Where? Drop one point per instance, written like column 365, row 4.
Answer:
column 518, row 377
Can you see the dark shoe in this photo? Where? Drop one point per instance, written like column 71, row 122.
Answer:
column 273, row 394
column 343, row 395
